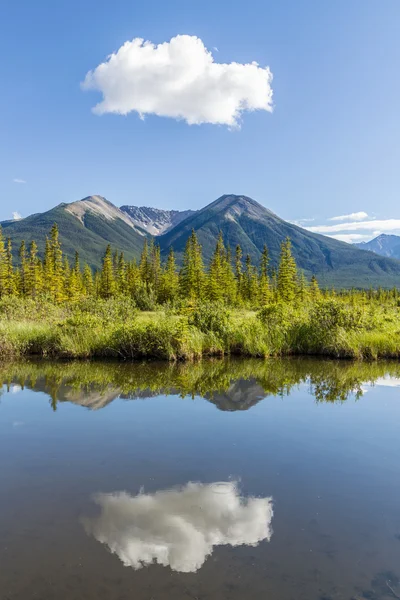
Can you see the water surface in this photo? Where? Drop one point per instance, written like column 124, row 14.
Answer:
column 218, row 480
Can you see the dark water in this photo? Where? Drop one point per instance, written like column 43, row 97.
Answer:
column 223, row 480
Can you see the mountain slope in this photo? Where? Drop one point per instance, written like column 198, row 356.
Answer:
column 243, row 221
column 155, row 221
column 384, row 245
column 87, row 226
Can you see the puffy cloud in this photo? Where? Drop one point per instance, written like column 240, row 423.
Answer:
column 179, row 79
column 16, row 180
column 179, row 527
column 16, row 216
column 357, row 216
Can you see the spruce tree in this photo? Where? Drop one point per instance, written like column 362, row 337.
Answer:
column 287, row 273
column 3, row 267
column 10, row 283
column 239, row 273
column 34, row 284
column 107, row 281
column 169, row 285
column 192, row 277
column 87, row 280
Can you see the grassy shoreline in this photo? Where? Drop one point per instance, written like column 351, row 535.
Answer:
column 114, row 330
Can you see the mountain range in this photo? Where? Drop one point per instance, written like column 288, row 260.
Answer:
column 384, row 245
column 155, row 221
column 88, row 225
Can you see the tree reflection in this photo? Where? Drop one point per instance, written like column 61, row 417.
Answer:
column 229, row 384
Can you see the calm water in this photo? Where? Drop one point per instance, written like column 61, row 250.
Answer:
column 223, row 480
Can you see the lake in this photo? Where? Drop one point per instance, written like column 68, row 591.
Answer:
column 224, row 479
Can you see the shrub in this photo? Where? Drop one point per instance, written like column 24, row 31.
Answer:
column 211, row 317
column 329, row 314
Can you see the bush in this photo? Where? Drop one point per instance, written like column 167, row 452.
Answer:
column 330, row 314
column 211, row 317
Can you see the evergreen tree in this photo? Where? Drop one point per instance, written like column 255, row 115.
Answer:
column 265, row 292
column 23, row 270
column 287, row 273
column 3, row 267
column 10, row 283
column 169, row 287
column 122, row 274
column 250, row 281
column 87, row 278
column 239, row 273
column 107, row 281
column 144, row 268
column 192, row 277
column 34, row 283
column 215, row 283
column 314, row 288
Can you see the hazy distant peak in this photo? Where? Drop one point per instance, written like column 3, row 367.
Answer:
column 155, row 221
column 384, row 244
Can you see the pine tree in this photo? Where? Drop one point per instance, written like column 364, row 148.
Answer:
column 121, row 274
column 10, row 283
column 144, row 269
column 34, row 278
column 3, row 267
column 23, row 270
column 154, row 265
column 192, row 277
column 287, row 273
column 215, row 283
column 250, row 281
column 302, row 287
column 239, row 273
column 107, row 281
column 87, row 278
column 169, row 286
column 265, row 292
column 314, row 288
column 74, row 280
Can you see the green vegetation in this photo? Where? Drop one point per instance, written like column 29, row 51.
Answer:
column 87, row 226
column 96, row 383
column 133, row 310
column 89, row 236
column 250, row 225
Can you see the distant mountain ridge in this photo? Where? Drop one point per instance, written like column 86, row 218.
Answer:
column 155, row 221
column 244, row 221
column 384, row 245
column 88, row 225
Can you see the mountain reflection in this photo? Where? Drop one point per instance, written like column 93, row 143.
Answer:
column 180, row 527
column 229, row 384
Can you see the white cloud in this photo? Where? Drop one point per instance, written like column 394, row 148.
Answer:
column 350, row 238
column 16, row 216
column 357, row 216
column 16, row 180
column 387, row 381
column 376, row 225
column 179, row 79
column 179, row 527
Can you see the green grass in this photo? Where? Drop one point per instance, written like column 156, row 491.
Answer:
column 115, row 329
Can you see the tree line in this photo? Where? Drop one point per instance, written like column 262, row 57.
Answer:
column 232, row 280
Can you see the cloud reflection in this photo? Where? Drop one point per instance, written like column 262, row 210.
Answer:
column 179, row 527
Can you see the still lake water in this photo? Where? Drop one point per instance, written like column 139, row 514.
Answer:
column 219, row 480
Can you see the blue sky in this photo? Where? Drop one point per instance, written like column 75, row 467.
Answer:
column 331, row 146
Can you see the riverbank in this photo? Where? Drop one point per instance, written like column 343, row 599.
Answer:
column 117, row 330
